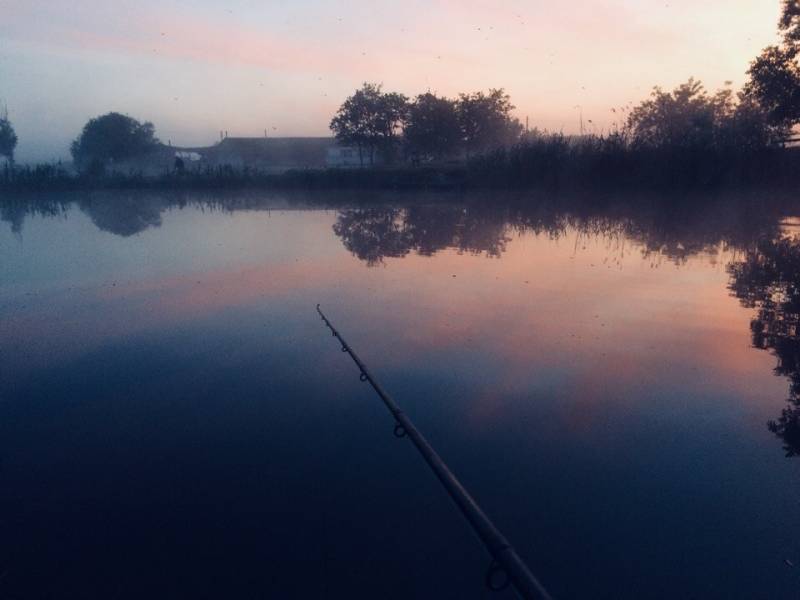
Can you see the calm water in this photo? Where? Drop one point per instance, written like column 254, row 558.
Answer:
column 176, row 422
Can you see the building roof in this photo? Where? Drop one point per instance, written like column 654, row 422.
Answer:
column 288, row 151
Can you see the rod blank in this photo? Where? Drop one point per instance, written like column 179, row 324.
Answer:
column 503, row 554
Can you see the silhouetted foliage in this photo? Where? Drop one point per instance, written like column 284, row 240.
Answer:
column 370, row 120
column 112, row 138
column 775, row 85
column 486, row 122
column 8, row 138
column 685, row 117
column 683, row 138
column 432, row 129
column 774, row 82
column 789, row 24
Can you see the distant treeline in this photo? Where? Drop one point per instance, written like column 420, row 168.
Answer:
column 684, row 137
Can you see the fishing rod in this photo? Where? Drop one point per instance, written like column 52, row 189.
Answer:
column 505, row 560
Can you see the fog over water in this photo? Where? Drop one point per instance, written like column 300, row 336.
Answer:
column 195, row 69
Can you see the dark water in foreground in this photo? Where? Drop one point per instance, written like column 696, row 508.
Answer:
column 176, row 422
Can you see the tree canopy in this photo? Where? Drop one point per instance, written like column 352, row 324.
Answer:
column 8, row 138
column 775, row 84
column 690, row 117
column 432, row 129
column 789, row 24
column 112, row 138
column 486, row 120
column 370, row 120
column 431, row 126
column 686, row 116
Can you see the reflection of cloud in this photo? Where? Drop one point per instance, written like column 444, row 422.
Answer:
column 549, row 321
column 541, row 339
column 62, row 325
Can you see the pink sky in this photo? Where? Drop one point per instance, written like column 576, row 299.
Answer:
column 244, row 66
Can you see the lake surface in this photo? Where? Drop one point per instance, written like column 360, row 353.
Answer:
column 177, row 422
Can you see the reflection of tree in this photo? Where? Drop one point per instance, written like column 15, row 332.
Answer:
column 123, row 214
column 768, row 280
column 14, row 210
column 675, row 233
column 14, row 213
column 373, row 234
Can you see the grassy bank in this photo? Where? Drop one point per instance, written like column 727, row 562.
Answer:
column 548, row 162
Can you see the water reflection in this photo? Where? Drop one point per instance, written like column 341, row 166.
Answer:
column 768, row 280
column 14, row 211
column 376, row 233
column 161, row 362
column 373, row 234
column 764, row 271
column 124, row 214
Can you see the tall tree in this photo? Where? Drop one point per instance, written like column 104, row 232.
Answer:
column 681, row 117
column 775, row 84
column 370, row 120
column 8, row 138
column 486, row 120
column 112, row 138
column 689, row 117
column 432, row 129
column 789, row 24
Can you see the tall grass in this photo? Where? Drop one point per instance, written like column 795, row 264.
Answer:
column 617, row 161
column 548, row 161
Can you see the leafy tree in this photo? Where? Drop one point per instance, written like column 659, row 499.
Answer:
column 112, row 138
column 432, row 129
column 8, row 138
column 750, row 128
column 685, row 117
column 789, row 24
column 486, row 121
column 370, row 120
column 775, row 85
column 690, row 117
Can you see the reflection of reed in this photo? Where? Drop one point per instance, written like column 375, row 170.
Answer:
column 375, row 233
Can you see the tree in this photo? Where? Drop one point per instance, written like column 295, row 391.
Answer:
column 112, row 138
column 432, row 129
column 370, row 120
column 789, row 24
column 486, row 120
column 8, row 138
column 775, row 85
column 685, row 117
